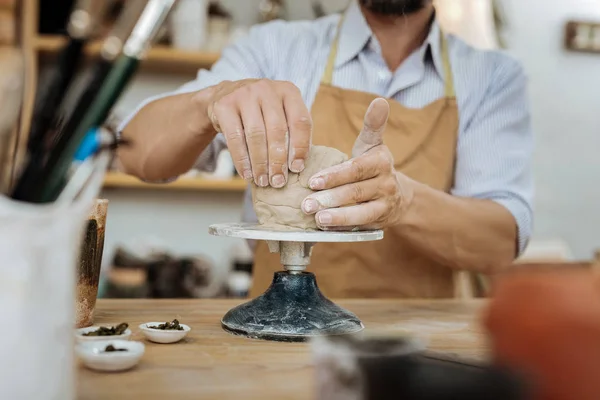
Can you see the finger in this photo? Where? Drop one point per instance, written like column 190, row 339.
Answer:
column 256, row 140
column 220, row 91
column 277, row 140
column 345, row 195
column 233, row 130
column 358, row 169
column 299, row 124
column 373, row 127
column 360, row 215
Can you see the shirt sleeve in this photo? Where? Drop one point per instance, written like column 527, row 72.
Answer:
column 245, row 59
column 495, row 149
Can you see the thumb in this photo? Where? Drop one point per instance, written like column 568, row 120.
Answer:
column 373, row 127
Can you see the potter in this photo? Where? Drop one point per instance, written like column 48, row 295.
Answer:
column 437, row 133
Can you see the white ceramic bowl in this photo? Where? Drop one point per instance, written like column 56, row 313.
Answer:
column 93, row 356
column 80, row 338
column 166, row 336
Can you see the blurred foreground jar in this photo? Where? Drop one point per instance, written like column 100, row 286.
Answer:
column 90, row 263
column 359, row 367
column 545, row 323
column 39, row 246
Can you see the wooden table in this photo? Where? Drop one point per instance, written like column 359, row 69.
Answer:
column 212, row 364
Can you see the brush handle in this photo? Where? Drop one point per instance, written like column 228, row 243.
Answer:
column 52, row 94
column 99, row 75
column 28, row 187
column 59, row 163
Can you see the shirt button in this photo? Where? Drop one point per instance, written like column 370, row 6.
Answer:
column 383, row 75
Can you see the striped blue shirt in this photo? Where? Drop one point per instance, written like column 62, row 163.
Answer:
column 495, row 143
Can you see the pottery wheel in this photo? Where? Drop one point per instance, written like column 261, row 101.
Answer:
column 293, row 308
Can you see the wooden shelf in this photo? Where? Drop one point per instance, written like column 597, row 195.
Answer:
column 115, row 180
column 161, row 58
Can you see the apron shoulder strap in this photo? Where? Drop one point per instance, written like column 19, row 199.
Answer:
column 328, row 74
column 449, row 90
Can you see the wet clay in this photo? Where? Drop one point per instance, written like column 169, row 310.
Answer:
column 280, row 208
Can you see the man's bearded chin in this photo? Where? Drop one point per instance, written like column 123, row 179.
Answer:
column 394, row 7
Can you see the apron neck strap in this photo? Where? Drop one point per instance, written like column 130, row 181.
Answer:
column 327, row 78
column 448, row 78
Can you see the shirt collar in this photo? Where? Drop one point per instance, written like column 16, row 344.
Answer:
column 355, row 35
column 434, row 44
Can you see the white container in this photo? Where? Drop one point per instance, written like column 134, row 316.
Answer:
column 39, row 247
column 94, row 356
column 188, row 25
column 163, row 336
column 80, row 337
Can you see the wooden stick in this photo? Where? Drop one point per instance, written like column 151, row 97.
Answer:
column 11, row 95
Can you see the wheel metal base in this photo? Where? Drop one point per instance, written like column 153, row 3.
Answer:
column 293, row 309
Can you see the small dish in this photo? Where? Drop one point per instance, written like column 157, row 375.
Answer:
column 80, row 338
column 163, row 336
column 94, row 356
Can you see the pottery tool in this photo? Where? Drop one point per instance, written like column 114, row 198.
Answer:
column 135, row 49
column 98, row 139
column 46, row 119
column 60, row 76
column 293, row 309
column 31, row 181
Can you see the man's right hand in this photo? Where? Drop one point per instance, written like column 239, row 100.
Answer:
column 266, row 124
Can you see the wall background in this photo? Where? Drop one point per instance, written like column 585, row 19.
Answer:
column 565, row 95
column 564, row 91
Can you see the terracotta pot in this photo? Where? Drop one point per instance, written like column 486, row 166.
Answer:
column 90, row 262
column 544, row 322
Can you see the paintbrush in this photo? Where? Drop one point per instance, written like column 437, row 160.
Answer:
column 135, row 49
column 96, row 151
column 111, row 49
column 96, row 163
column 98, row 139
column 28, row 187
column 52, row 92
column 60, row 76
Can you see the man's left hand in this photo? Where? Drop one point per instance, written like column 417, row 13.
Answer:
column 364, row 192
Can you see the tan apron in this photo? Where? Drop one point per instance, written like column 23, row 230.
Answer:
column 423, row 143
